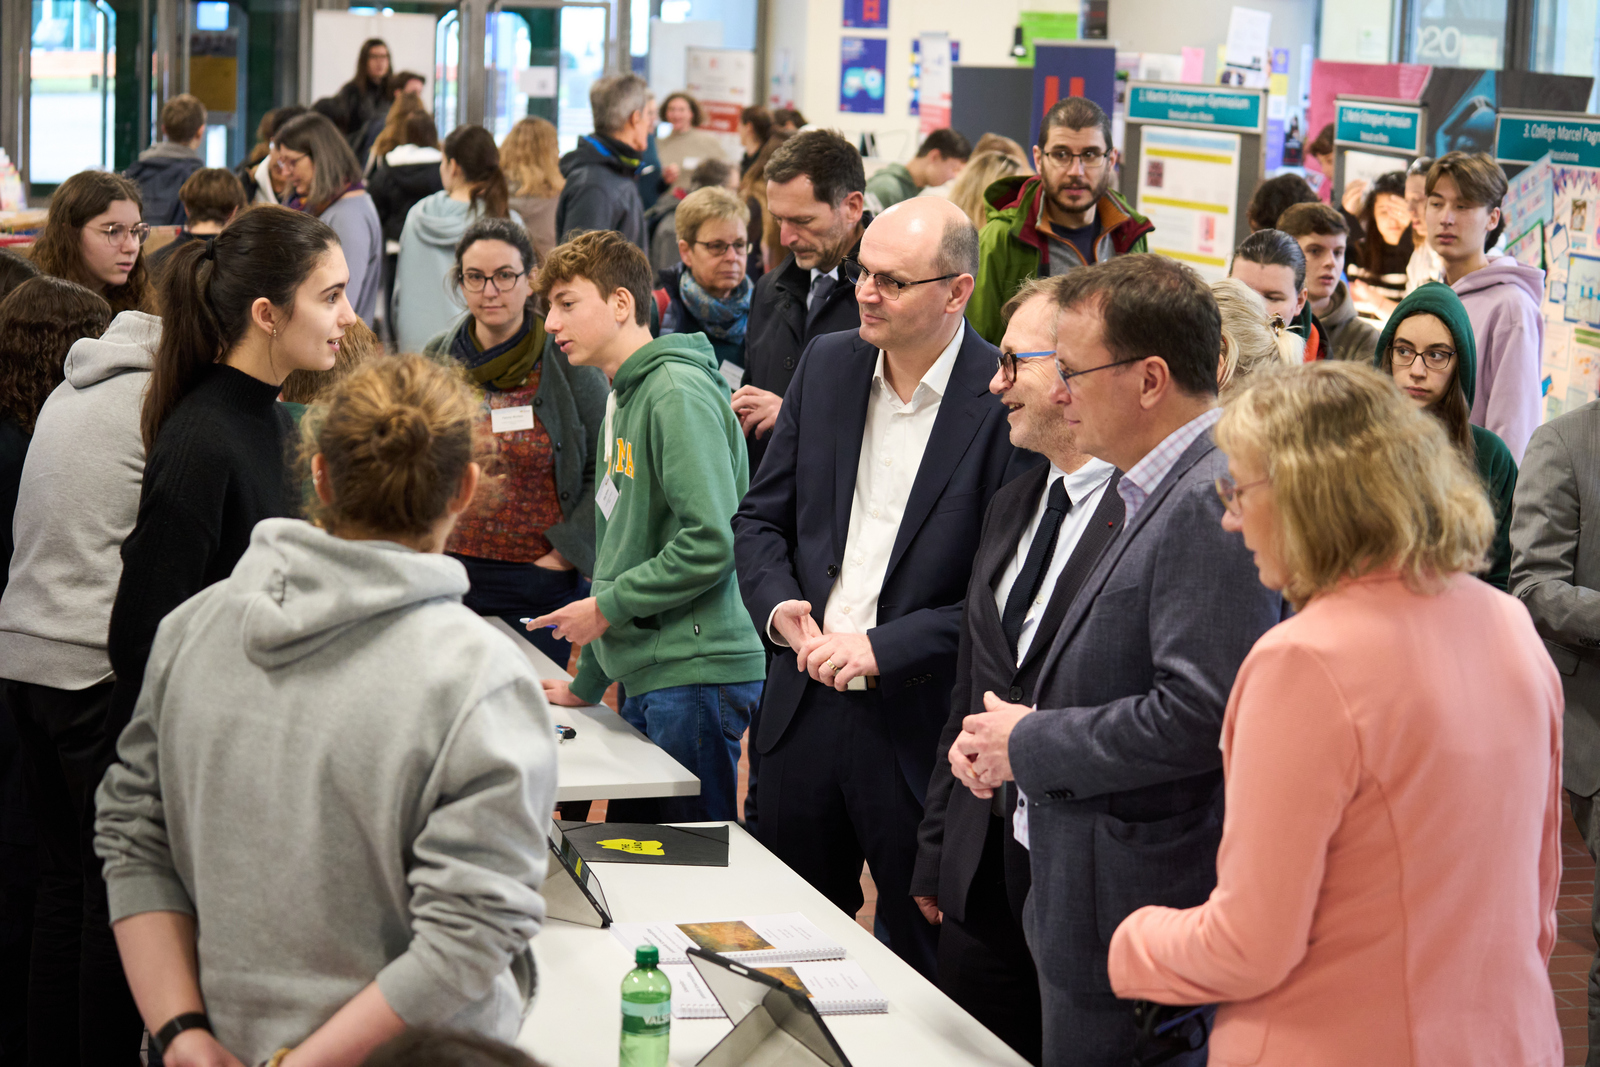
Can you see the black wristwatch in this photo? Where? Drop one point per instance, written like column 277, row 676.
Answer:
column 189, row 1020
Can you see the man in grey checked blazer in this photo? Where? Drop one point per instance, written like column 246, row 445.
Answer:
column 1119, row 766
column 1555, row 571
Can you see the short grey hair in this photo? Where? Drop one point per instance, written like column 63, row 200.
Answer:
column 958, row 248
column 614, row 99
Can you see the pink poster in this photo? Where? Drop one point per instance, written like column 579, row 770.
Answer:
column 1397, row 81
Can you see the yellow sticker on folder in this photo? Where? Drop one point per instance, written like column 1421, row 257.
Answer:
column 638, row 848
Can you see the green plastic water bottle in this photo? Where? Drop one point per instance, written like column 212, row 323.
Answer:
column 646, row 1011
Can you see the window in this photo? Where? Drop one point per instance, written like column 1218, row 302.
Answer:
column 1566, row 38
column 1458, row 33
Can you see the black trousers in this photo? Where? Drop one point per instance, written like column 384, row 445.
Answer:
column 984, row 962
column 17, row 880
column 79, row 1008
column 832, row 795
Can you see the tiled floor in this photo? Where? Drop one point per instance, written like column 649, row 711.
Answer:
column 1569, row 964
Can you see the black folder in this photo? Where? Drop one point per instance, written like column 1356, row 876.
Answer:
column 635, row 842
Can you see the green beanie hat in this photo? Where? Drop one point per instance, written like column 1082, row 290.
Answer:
column 1436, row 298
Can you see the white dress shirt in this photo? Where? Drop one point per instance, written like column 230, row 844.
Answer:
column 892, row 443
column 1085, row 487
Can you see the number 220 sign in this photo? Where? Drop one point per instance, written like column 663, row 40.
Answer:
column 866, row 14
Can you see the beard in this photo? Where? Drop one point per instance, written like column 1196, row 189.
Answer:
column 1058, row 192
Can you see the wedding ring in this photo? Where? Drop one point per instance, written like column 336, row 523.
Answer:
column 832, row 666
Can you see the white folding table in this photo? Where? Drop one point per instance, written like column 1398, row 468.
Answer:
column 608, row 760
column 577, row 1019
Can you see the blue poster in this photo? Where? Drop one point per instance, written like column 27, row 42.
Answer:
column 1062, row 70
column 866, row 14
column 863, row 73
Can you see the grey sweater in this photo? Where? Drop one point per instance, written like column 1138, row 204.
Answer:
column 78, row 501
column 343, row 774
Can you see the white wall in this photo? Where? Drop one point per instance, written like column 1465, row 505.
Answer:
column 811, row 30
column 336, row 43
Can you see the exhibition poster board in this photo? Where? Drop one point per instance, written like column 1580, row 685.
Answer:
column 933, row 82
column 1188, row 185
column 1528, row 136
column 1073, row 68
column 1571, row 365
column 1379, row 124
column 723, row 80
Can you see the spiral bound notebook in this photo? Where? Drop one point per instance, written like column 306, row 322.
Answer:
column 755, row 940
column 835, row 987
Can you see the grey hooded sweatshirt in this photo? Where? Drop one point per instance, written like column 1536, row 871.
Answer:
column 77, row 504
column 425, row 302
column 344, row 775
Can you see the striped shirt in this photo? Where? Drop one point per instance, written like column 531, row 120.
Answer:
column 1143, row 477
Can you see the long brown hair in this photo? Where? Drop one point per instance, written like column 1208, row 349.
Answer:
column 59, row 250
column 335, row 166
column 39, row 321
column 472, row 149
column 399, row 127
column 531, row 159
column 207, row 289
column 362, row 81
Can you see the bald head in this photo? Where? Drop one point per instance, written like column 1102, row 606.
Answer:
column 933, row 230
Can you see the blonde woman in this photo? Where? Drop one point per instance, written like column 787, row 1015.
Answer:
column 1251, row 338
column 1390, row 856
column 982, row 169
column 531, row 163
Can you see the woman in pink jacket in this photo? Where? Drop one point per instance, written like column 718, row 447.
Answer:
column 1387, row 879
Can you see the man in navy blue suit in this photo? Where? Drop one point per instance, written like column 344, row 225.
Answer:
column 854, row 546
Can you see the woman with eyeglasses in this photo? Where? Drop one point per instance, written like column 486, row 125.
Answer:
column 528, row 545
column 327, row 184
column 93, row 236
column 1391, row 853
column 1429, row 349
column 709, row 291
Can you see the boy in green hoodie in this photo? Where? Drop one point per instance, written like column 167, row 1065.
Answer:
column 665, row 619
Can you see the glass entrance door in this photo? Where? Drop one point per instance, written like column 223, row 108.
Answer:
column 74, row 65
column 541, row 60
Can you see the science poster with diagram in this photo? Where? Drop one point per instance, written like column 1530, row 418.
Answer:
column 1571, row 253
column 1188, row 187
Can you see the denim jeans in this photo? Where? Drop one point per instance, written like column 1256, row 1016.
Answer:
column 700, row 727
column 517, row 591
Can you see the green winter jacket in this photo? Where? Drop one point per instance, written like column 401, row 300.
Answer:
column 663, row 571
column 1011, row 249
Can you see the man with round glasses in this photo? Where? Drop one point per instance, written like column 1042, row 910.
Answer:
column 853, row 548
column 1062, row 218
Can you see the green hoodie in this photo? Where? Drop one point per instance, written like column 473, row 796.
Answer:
column 663, row 571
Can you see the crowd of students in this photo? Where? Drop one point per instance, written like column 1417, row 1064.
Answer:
column 1005, row 543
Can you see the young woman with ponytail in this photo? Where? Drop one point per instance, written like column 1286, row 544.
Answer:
column 240, row 312
column 403, row 747
column 327, row 182
column 474, row 188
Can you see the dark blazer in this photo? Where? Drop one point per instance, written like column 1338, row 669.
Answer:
column 790, row 531
column 1121, row 763
column 950, row 839
column 780, row 328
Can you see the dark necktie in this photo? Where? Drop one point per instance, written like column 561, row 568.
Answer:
column 1026, row 587
column 821, row 286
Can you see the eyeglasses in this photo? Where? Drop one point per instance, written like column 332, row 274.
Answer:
column 1229, row 490
column 1403, row 355
column 889, row 286
column 1008, row 361
column 1066, row 376
column 117, row 233
column 288, row 161
column 504, row 278
column 1091, row 158
column 718, row 249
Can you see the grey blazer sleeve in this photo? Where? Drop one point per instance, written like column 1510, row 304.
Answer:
column 1545, row 527
column 1206, row 609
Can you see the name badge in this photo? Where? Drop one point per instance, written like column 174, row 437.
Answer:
column 605, row 497
column 732, row 373
column 509, row 420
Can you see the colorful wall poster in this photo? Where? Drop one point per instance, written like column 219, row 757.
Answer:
column 1571, row 358
column 1063, row 70
column 933, row 82
column 1045, row 26
column 1188, row 185
column 866, row 14
column 863, row 74
column 723, row 80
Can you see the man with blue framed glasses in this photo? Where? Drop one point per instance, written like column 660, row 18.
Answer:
column 1116, row 750
column 1041, row 535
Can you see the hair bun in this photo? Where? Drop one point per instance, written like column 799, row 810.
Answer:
column 400, row 433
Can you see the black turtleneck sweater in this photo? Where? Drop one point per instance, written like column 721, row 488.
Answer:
column 218, row 467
